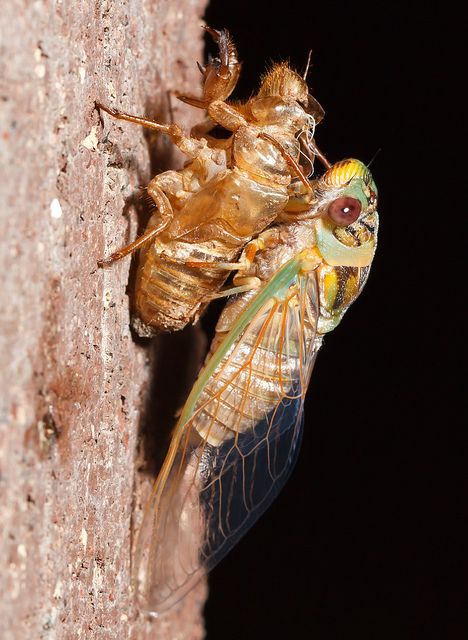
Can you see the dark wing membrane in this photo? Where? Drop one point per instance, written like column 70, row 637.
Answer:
column 235, row 453
column 246, row 475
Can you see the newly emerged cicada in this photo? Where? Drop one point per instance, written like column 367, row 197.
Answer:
column 228, row 192
column 239, row 433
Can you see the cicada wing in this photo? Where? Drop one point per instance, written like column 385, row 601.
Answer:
column 167, row 561
column 245, row 478
column 236, row 451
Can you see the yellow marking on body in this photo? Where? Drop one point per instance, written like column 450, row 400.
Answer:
column 342, row 172
column 351, row 289
column 310, row 259
column 330, row 288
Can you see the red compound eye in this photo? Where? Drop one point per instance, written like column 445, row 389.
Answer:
column 344, row 211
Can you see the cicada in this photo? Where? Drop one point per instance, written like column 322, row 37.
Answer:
column 228, row 192
column 238, row 436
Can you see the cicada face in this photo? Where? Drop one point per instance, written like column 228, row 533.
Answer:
column 347, row 230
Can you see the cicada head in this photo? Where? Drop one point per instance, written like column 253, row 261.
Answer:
column 282, row 81
column 347, row 229
column 346, row 237
column 283, row 101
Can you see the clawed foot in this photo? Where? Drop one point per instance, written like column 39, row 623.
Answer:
column 220, row 74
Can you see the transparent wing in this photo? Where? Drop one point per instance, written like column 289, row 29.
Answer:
column 231, row 458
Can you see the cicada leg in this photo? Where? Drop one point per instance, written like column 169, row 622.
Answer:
column 220, row 75
column 129, row 248
column 289, row 159
column 204, row 129
column 248, row 254
column 226, row 116
column 188, row 145
column 326, row 163
column 166, row 214
column 244, row 280
column 250, row 283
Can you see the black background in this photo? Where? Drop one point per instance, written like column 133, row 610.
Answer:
column 366, row 539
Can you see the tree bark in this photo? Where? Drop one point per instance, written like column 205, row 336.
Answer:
column 73, row 378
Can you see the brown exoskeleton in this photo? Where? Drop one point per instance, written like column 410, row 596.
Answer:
column 226, row 194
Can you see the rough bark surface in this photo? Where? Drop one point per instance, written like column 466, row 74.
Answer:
column 73, row 379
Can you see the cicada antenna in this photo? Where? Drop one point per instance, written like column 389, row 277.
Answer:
column 374, row 157
column 304, row 77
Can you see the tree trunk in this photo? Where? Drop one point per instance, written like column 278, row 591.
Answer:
column 73, row 378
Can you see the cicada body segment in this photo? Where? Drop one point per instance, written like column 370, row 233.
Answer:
column 239, row 433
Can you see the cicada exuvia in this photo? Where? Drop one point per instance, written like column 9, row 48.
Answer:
column 228, row 192
column 239, row 433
